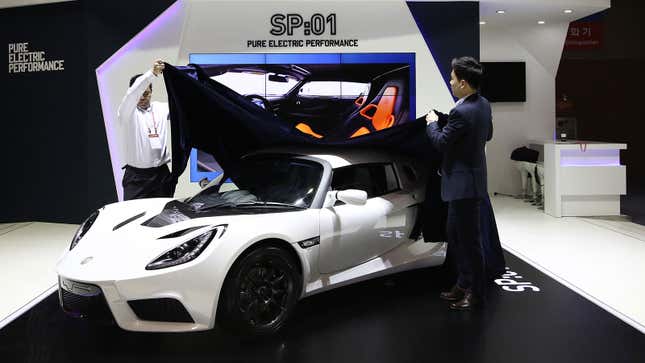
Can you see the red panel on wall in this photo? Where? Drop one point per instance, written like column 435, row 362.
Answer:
column 584, row 35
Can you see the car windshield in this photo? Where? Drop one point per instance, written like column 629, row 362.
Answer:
column 267, row 181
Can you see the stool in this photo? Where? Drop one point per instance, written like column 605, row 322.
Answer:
column 539, row 178
column 527, row 174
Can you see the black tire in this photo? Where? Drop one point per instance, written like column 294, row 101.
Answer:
column 260, row 292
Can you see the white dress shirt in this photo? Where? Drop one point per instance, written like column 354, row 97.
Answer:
column 137, row 125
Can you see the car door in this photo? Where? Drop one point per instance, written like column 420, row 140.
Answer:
column 354, row 234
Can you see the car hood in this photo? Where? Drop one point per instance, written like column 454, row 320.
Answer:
column 119, row 244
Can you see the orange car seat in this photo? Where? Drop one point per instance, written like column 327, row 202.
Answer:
column 305, row 128
column 384, row 106
column 381, row 114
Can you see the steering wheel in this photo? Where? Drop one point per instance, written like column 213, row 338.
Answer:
column 260, row 102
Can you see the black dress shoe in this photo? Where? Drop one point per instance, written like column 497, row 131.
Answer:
column 468, row 302
column 455, row 293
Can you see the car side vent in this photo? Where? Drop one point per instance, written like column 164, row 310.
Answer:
column 181, row 233
column 164, row 309
column 128, row 221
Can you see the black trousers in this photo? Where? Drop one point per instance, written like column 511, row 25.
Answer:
column 147, row 183
column 465, row 244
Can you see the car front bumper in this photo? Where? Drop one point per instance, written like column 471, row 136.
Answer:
column 145, row 303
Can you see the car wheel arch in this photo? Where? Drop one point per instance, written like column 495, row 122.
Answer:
column 303, row 265
column 275, row 242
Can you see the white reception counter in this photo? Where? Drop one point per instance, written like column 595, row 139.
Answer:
column 582, row 178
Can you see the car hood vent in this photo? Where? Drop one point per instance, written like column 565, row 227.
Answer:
column 173, row 212
column 128, row 221
column 181, row 233
column 176, row 211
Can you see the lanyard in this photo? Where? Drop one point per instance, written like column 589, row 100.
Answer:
column 154, row 122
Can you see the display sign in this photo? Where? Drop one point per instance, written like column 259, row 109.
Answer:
column 316, row 25
column 584, row 35
column 24, row 60
column 290, row 25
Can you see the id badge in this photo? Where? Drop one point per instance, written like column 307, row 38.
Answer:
column 155, row 142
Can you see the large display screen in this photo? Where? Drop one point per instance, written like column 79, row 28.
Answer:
column 504, row 81
column 330, row 96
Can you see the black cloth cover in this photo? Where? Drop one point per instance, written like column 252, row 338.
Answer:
column 209, row 116
column 491, row 247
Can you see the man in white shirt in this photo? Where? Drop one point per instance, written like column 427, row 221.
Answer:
column 145, row 127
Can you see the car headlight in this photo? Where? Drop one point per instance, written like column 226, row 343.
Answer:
column 188, row 250
column 85, row 226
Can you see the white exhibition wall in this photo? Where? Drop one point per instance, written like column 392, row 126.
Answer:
column 211, row 26
column 516, row 36
column 159, row 40
column 516, row 123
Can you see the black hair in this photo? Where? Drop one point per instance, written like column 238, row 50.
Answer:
column 134, row 78
column 468, row 69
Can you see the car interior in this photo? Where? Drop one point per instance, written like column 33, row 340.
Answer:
column 331, row 115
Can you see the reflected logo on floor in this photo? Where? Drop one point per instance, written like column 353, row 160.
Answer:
column 391, row 234
column 509, row 282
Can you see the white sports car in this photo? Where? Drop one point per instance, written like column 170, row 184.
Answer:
column 293, row 224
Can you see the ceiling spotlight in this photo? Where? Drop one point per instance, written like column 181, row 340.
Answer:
column 482, row 23
column 541, row 22
column 568, row 11
column 501, row 11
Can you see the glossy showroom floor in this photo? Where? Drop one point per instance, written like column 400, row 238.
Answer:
column 589, row 308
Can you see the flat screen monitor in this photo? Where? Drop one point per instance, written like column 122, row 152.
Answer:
column 331, row 96
column 504, row 81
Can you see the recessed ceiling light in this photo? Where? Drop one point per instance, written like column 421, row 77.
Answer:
column 568, row 11
column 541, row 22
column 482, row 23
column 501, row 11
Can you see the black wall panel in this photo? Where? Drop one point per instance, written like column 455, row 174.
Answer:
column 451, row 29
column 55, row 159
column 43, row 138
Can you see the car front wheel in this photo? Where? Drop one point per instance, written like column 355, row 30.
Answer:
column 260, row 291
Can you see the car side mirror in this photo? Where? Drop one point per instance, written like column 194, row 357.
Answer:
column 348, row 196
column 352, row 196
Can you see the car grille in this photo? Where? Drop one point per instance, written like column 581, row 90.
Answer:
column 84, row 301
column 165, row 309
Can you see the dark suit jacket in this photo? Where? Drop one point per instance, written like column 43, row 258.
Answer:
column 461, row 137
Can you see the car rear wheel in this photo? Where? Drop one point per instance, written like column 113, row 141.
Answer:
column 260, row 291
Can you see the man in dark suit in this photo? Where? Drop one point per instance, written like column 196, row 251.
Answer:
column 461, row 136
